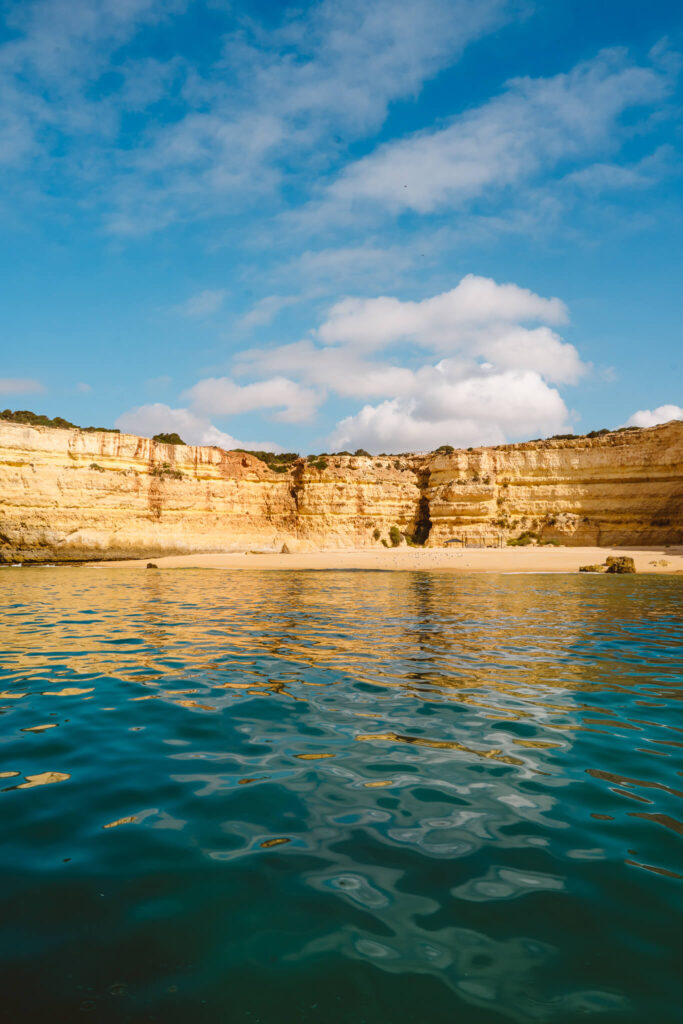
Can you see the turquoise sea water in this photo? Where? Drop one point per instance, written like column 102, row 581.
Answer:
column 340, row 797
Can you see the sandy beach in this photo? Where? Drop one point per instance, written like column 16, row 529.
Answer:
column 512, row 559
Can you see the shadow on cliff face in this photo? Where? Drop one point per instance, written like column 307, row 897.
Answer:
column 423, row 522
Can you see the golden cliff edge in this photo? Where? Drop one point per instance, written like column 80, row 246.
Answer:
column 70, row 495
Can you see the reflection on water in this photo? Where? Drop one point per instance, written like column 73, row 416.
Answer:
column 347, row 796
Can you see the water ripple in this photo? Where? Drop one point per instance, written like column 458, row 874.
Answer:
column 359, row 796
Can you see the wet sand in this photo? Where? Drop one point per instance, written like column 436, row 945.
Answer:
column 528, row 559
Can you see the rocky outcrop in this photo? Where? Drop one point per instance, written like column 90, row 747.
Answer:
column 70, row 495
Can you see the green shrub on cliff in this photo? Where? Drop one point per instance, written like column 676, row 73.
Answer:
column 165, row 470
column 395, row 536
column 34, row 419
column 279, row 462
column 168, row 438
column 528, row 537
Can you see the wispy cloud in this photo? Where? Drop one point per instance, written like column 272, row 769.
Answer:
column 265, row 310
column 609, row 177
column 204, row 303
column 56, row 52
column 535, row 125
column 211, row 131
column 20, row 386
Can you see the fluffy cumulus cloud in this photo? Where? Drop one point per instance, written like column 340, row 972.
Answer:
column 446, row 408
column 158, row 418
column 477, row 364
column 338, row 369
column 285, row 400
column 435, row 321
column 221, row 396
column 479, row 317
column 651, row 417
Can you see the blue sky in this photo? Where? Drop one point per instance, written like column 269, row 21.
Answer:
column 387, row 225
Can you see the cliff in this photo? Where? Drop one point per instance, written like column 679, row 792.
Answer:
column 70, row 495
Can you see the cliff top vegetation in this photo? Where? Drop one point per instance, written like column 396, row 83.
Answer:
column 279, row 462
column 34, row 419
column 168, row 438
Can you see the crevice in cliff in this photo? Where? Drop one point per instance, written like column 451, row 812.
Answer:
column 423, row 520
column 297, row 483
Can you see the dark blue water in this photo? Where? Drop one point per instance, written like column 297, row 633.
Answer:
column 340, row 797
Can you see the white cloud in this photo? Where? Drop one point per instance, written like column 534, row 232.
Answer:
column 487, row 408
column 494, row 382
column 20, row 386
column 148, row 420
column 285, row 100
column 265, row 310
column 540, row 349
column 651, row 417
column 307, row 276
column 220, row 396
column 268, row 106
column 203, row 303
column 534, row 125
column 56, row 50
column 354, row 58
column 441, row 322
column 354, row 263
column 479, row 320
column 333, row 369
column 157, row 383
column 83, row 387
column 491, row 361
column 603, row 177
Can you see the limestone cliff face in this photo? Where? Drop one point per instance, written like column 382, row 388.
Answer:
column 70, row 495
column 624, row 487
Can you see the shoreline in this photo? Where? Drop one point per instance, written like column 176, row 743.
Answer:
column 482, row 560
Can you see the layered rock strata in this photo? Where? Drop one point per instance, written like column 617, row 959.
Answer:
column 68, row 495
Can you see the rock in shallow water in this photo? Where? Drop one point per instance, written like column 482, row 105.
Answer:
column 613, row 564
column 620, row 563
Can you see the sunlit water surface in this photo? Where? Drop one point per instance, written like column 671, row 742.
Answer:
column 343, row 796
